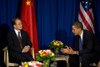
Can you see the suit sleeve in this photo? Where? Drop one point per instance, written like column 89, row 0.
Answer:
column 88, row 44
column 28, row 40
column 76, row 44
column 11, row 45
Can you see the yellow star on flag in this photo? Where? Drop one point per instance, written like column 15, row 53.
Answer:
column 28, row 3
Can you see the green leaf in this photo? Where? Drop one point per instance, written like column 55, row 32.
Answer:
column 53, row 58
column 37, row 54
column 39, row 59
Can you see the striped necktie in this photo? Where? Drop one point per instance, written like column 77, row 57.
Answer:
column 20, row 41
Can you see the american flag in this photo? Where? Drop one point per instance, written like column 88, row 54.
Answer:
column 86, row 15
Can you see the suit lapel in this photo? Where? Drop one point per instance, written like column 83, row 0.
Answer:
column 77, row 45
column 22, row 35
column 15, row 37
column 84, row 36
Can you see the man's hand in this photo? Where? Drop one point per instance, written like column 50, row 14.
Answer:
column 65, row 50
column 68, row 50
column 71, row 51
column 26, row 49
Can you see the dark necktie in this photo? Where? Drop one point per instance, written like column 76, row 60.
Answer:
column 20, row 41
column 80, row 44
column 80, row 47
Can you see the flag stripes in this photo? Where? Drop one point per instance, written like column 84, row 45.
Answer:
column 86, row 17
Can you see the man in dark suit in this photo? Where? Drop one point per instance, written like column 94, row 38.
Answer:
column 19, row 43
column 84, row 50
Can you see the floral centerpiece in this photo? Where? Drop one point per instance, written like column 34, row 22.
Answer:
column 56, row 45
column 45, row 56
column 31, row 64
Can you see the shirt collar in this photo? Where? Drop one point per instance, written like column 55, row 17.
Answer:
column 81, row 35
column 16, row 31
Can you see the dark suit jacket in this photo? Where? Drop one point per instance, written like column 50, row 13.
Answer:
column 88, row 43
column 14, row 45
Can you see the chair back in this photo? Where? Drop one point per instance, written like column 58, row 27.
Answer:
column 6, row 58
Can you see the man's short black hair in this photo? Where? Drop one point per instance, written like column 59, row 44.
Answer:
column 78, row 24
column 14, row 21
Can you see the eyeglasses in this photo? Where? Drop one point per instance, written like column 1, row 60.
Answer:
column 19, row 24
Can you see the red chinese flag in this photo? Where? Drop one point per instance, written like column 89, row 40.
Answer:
column 29, row 22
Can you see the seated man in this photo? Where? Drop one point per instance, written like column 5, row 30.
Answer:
column 84, row 50
column 19, row 43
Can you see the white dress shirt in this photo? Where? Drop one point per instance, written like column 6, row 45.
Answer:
column 16, row 31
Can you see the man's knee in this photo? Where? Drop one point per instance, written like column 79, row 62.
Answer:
column 73, row 59
column 87, row 57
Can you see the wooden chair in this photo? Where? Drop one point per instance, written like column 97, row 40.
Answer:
column 6, row 57
column 91, row 64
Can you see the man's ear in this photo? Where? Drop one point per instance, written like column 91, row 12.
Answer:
column 80, row 28
column 14, row 26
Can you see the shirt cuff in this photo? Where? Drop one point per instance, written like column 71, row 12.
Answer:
column 77, row 52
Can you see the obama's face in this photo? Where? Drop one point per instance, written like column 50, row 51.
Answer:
column 75, row 30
